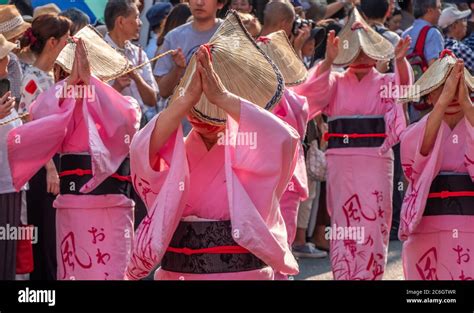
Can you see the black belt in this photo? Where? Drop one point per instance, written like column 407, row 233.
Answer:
column 451, row 195
column 363, row 132
column 76, row 170
column 207, row 248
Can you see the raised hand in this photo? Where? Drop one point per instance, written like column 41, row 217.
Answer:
column 211, row 83
column 450, row 88
column 178, row 58
column 81, row 70
column 213, row 87
column 303, row 35
column 332, row 48
column 401, row 50
column 84, row 69
column 464, row 96
column 194, row 91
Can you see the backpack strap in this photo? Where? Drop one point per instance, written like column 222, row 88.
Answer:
column 420, row 45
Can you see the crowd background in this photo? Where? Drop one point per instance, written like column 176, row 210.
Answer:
column 143, row 29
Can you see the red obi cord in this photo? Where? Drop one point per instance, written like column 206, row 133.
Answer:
column 327, row 136
column 213, row 250
column 81, row 172
column 450, row 194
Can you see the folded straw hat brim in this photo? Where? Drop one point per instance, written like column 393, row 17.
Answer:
column 357, row 36
column 105, row 61
column 281, row 52
column 5, row 47
column 434, row 77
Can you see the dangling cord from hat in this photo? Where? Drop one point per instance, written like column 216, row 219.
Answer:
column 446, row 52
column 31, row 37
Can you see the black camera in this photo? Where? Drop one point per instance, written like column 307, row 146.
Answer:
column 300, row 23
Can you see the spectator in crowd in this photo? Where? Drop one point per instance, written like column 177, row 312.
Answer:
column 10, row 201
column 394, row 22
column 185, row 40
column 24, row 6
column 427, row 13
column 252, row 24
column 243, row 6
column 408, row 18
column 319, row 10
column 13, row 29
column 46, row 38
column 178, row 16
column 470, row 25
column 140, row 5
column 470, row 22
column 49, row 8
column 327, row 25
column 315, row 10
column 464, row 5
column 454, row 25
column 280, row 15
column 123, row 24
column 376, row 13
column 155, row 16
column 301, row 247
column 317, row 35
column 78, row 18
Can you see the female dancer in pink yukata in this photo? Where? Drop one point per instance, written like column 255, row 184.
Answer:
column 364, row 123
column 94, row 218
column 213, row 208
column 437, row 219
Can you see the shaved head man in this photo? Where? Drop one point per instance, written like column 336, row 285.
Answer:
column 278, row 15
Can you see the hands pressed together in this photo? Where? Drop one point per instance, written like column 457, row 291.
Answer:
column 205, row 80
column 455, row 88
column 81, row 69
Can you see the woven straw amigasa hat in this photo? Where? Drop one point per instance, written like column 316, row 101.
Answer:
column 11, row 22
column 434, row 77
column 244, row 69
column 358, row 36
column 5, row 47
column 279, row 49
column 105, row 61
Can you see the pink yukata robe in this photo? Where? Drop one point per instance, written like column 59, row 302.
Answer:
column 94, row 233
column 230, row 182
column 293, row 109
column 436, row 247
column 359, row 180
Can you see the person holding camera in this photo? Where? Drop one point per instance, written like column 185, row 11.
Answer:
column 280, row 15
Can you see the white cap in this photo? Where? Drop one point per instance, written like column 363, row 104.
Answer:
column 450, row 15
